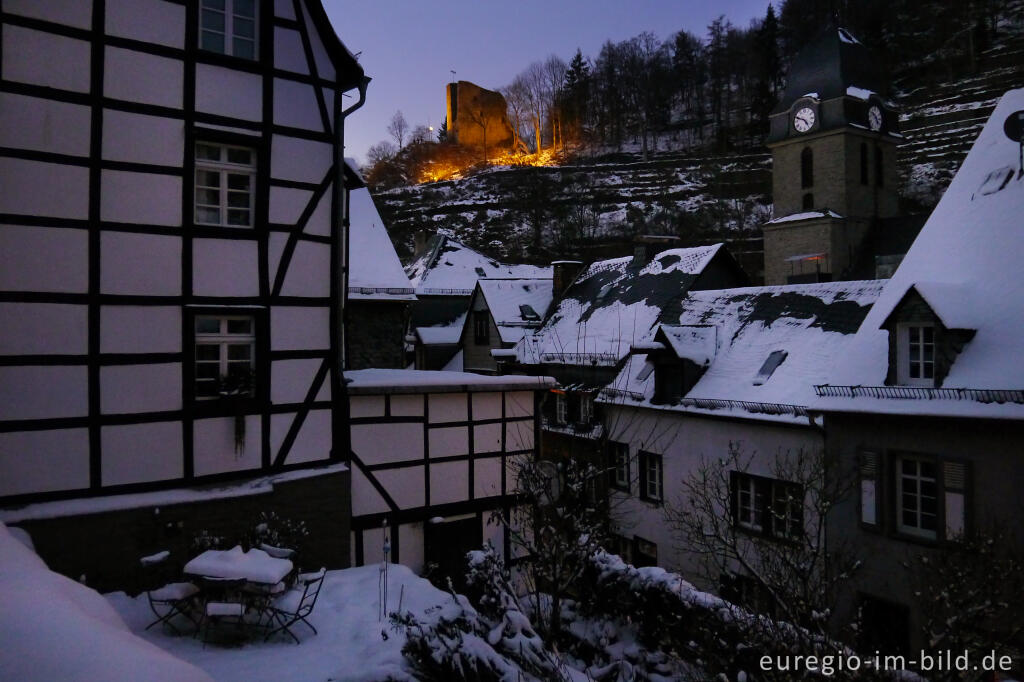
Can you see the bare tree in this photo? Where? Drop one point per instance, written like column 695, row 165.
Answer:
column 535, row 81
column 517, row 98
column 554, row 72
column 382, row 151
column 397, row 128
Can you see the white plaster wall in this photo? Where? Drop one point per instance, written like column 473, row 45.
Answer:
column 373, row 543
column 141, row 198
column 43, row 328
column 44, row 189
column 365, row 498
column 291, row 379
column 486, row 406
column 295, row 105
column 44, row 259
column 143, row 139
column 446, row 442
column 487, row 438
column 287, row 204
column 320, row 221
column 225, row 267
column 126, row 389
column 519, row 404
column 519, row 435
column 410, row 547
column 487, row 477
column 140, row 264
column 43, row 392
column 304, row 160
column 66, row 66
column 407, row 405
column 404, row 485
column 381, row 443
column 310, row 271
column 366, row 406
column 77, row 14
column 312, row 443
column 140, row 329
column 139, row 453
column 288, row 52
column 44, row 125
column 284, row 9
column 324, row 66
column 447, row 407
column 214, row 446
column 228, row 92
column 300, row 328
column 449, row 482
column 139, row 77
column 151, row 21
column 43, row 461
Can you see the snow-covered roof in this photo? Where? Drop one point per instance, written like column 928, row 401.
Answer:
column 375, row 273
column 611, row 305
column 966, row 264
column 516, row 304
column 448, row 266
column 375, row 381
column 442, row 334
column 764, row 345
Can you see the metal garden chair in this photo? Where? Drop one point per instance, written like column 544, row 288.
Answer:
column 167, row 599
column 295, row 605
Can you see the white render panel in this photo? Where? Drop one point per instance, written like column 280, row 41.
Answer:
column 324, row 65
column 140, row 264
column 225, row 267
column 36, row 392
column 300, row 328
column 77, row 14
column 140, row 453
column 320, row 221
column 150, row 21
column 291, row 379
column 487, row 477
column 214, row 446
column 519, row 435
column 288, row 52
column 385, row 443
column 284, row 8
column 125, row 389
column 43, row 461
column 519, row 404
column 287, row 204
column 486, row 406
column 140, row 329
column 292, row 158
column 44, row 125
column 410, row 545
column 146, row 198
column 139, row 77
column 447, row 407
column 449, row 441
column 295, row 105
column 143, row 139
column 312, row 443
column 44, row 259
column 365, row 498
column 65, row 67
column 227, row 92
column 487, row 438
column 310, row 271
column 407, row 405
column 449, row 482
column 404, row 485
column 373, row 545
column 44, row 189
column 366, row 406
column 44, row 328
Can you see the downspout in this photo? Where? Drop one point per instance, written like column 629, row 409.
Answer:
column 341, row 437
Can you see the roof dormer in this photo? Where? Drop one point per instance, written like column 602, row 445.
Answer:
column 680, row 355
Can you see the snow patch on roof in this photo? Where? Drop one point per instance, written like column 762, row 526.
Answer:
column 806, row 215
column 507, row 300
column 452, row 265
column 374, row 269
column 860, row 93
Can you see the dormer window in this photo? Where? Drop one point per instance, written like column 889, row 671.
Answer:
column 916, row 361
column 923, row 344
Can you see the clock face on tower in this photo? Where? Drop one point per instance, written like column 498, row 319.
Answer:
column 875, row 118
column 804, row 119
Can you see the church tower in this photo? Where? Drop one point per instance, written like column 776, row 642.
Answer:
column 833, row 139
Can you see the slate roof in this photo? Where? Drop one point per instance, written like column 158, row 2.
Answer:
column 506, row 299
column 450, row 267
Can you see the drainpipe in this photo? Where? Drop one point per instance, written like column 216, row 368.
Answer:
column 341, row 438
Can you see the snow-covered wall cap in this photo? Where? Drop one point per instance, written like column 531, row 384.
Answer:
column 806, row 215
column 391, row 381
column 973, row 244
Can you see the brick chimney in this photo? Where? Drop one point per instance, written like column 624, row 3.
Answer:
column 565, row 272
column 647, row 246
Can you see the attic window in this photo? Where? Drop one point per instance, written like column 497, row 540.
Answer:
column 480, row 272
column 772, row 363
column 527, row 312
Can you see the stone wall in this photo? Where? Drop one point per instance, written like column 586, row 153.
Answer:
column 376, row 334
column 478, row 117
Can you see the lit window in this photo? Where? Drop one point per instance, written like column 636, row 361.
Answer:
column 651, row 487
column 228, row 27
column 225, row 356
column 917, row 495
column 225, row 176
column 916, row 354
column 767, row 505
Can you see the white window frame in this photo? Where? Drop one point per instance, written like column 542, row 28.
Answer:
column 222, row 339
column 586, row 408
column 747, row 513
column 561, row 408
column 225, row 170
column 652, row 476
column 911, row 336
column 917, row 528
column 227, row 9
column 620, row 466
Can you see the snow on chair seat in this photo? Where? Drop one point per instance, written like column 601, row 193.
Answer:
column 173, row 592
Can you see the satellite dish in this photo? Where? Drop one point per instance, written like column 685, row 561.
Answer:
column 1014, row 126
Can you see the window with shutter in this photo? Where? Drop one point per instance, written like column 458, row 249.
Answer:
column 869, row 466
column 955, row 487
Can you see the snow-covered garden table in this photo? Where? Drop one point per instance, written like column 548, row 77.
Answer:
column 254, row 566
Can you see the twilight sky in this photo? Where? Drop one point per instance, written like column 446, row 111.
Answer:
column 410, row 48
